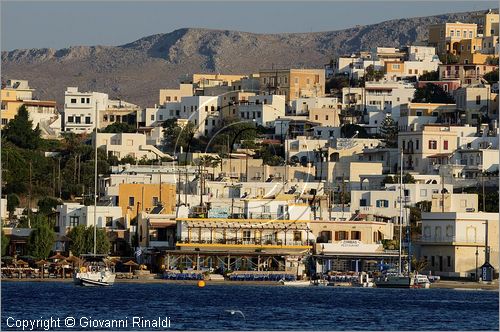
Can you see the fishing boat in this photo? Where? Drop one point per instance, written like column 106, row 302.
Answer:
column 95, row 271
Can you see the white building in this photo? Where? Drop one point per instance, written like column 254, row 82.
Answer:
column 133, row 145
column 304, row 105
column 81, row 108
column 383, row 97
column 74, row 214
column 263, row 109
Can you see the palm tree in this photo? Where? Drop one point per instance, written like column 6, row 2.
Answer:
column 216, row 161
column 418, row 265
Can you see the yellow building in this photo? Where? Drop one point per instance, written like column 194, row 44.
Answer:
column 10, row 105
column 489, row 24
column 293, row 83
column 134, row 197
column 446, row 37
column 394, row 68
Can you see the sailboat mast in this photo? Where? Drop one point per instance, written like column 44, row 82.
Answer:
column 95, row 178
column 400, row 210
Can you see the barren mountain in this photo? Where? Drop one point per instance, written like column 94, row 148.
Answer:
column 136, row 71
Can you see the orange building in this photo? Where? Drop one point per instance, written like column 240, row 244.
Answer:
column 134, row 197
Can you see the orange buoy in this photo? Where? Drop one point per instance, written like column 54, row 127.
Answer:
column 201, row 284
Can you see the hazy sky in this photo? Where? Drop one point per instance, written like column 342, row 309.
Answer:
column 60, row 24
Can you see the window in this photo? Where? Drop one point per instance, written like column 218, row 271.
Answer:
column 296, row 80
column 247, row 235
column 417, row 144
column 470, row 34
column 433, row 145
column 395, row 66
column 70, row 119
column 316, row 117
column 297, row 235
column 78, row 119
column 82, row 100
column 109, row 221
column 452, row 34
column 382, row 203
column 326, row 117
column 433, row 261
column 73, row 100
column 87, row 119
column 341, row 235
column 449, row 261
column 362, row 202
column 423, row 192
column 88, row 100
column 4, row 121
column 156, row 201
column 410, row 71
column 478, row 100
column 356, row 235
column 152, row 117
column 74, row 221
column 445, row 145
column 458, row 33
column 131, row 201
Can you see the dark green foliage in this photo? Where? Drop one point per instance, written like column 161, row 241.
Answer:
column 41, row 240
column 47, row 204
column 449, row 59
column 429, row 76
column 20, row 131
column 82, row 240
column 5, row 243
column 13, row 202
column 389, row 132
column 349, row 130
column 119, row 127
column 432, row 93
column 373, row 75
column 491, row 77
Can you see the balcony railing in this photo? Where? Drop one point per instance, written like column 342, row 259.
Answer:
column 449, row 239
column 269, row 215
column 246, row 241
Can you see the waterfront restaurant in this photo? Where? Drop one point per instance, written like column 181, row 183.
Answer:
column 221, row 244
column 355, row 245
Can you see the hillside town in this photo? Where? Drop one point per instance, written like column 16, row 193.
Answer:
column 285, row 171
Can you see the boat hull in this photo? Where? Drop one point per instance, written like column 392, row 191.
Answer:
column 394, row 282
column 94, row 279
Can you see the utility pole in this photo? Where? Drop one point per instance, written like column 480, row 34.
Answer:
column 29, row 200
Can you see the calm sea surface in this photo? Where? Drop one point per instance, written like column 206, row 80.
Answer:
column 262, row 307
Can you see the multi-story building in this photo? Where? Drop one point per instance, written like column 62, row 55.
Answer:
column 397, row 70
column 467, row 74
column 474, row 101
column 415, row 115
column 293, row 83
column 175, row 95
column 133, row 145
column 454, row 243
column 136, row 197
column 263, row 109
column 381, row 97
column 118, row 112
column 42, row 113
column 81, row 109
column 446, row 37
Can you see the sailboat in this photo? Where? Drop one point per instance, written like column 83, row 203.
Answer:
column 95, row 271
column 397, row 279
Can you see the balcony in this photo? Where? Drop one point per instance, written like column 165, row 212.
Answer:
column 244, row 242
column 269, row 216
column 450, row 240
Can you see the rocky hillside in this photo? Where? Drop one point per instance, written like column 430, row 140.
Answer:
column 136, row 71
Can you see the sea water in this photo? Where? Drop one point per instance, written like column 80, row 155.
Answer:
column 63, row 306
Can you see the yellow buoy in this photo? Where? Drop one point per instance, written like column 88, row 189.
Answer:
column 201, row 283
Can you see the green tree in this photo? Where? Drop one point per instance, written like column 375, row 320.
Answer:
column 20, row 131
column 491, row 77
column 389, row 132
column 13, row 202
column 337, row 83
column 82, row 240
column 78, row 244
column 175, row 136
column 432, row 93
column 372, row 74
column 5, row 243
column 47, row 204
column 449, row 59
column 41, row 240
column 349, row 130
column 119, row 127
column 429, row 76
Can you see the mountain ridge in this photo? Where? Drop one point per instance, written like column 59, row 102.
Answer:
column 135, row 71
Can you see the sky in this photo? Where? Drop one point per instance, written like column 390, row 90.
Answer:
column 60, row 24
